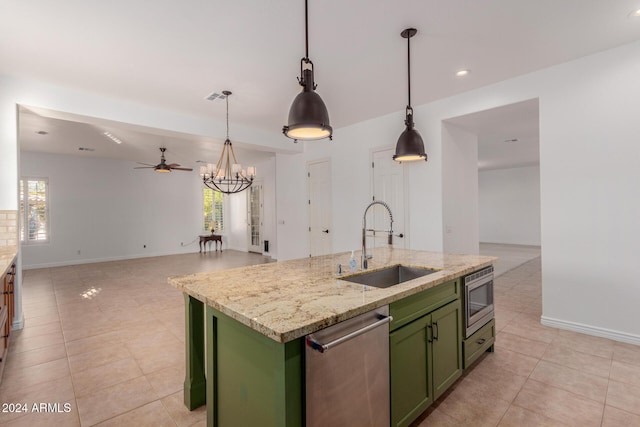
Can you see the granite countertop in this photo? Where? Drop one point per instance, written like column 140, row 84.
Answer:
column 287, row 300
column 7, row 254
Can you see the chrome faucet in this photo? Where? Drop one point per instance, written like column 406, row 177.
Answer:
column 365, row 257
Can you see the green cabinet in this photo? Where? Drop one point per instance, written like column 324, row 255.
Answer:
column 425, row 358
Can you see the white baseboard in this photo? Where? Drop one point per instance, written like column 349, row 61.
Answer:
column 591, row 330
column 17, row 324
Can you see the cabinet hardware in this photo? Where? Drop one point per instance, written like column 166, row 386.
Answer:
column 435, row 331
column 481, row 341
column 427, row 332
column 325, row 231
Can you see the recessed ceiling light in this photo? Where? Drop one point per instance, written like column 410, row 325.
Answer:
column 635, row 14
column 462, row 73
column 42, row 132
column 113, row 137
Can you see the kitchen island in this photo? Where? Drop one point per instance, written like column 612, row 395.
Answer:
column 256, row 318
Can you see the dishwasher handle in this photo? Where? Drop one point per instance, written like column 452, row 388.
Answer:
column 318, row 346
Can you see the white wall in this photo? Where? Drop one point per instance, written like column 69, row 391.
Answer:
column 510, row 205
column 107, row 210
column 588, row 173
column 460, row 190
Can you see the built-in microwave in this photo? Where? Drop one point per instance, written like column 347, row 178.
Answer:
column 478, row 300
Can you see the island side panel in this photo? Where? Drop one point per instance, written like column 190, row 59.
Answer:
column 194, row 382
column 254, row 380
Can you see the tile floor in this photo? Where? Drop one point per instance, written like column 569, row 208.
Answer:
column 108, row 339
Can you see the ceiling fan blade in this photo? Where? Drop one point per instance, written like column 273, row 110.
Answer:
column 182, row 169
column 146, row 164
column 173, row 165
column 145, row 167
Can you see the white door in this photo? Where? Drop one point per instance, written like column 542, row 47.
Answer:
column 254, row 217
column 388, row 186
column 319, row 188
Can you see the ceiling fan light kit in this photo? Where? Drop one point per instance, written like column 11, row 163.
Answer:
column 162, row 167
column 308, row 115
column 410, row 146
column 227, row 176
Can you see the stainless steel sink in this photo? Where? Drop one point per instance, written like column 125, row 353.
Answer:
column 389, row 276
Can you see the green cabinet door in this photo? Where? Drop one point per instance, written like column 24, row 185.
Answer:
column 410, row 371
column 446, row 346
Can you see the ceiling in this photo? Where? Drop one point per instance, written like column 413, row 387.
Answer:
column 172, row 54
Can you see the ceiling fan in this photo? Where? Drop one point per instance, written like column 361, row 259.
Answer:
column 162, row 166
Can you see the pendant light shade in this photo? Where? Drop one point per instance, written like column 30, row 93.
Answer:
column 410, row 146
column 308, row 116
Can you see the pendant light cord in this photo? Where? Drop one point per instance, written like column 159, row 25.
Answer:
column 227, row 99
column 409, row 69
column 306, row 30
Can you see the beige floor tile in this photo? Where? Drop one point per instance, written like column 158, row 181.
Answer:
column 521, row 344
column 559, row 404
column 581, row 383
column 167, row 381
column 511, row 361
column 36, row 374
column 156, row 355
column 58, row 390
column 627, row 353
column 469, row 406
column 180, row 414
column 596, row 346
column 20, row 344
column 614, row 417
column 115, row 400
column 93, row 359
column 436, row 418
column 503, row 317
column 565, row 356
column 112, row 373
column 36, row 357
column 38, row 330
column 625, row 373
column 521, row 417
column 94, row 343
column 47, row 419
column 151, row 414
column 530, row 330
column 624, row 396
column 42, row 320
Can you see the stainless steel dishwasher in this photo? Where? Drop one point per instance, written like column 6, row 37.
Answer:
column 347, row 372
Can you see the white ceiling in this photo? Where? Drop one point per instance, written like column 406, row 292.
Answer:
column 172, row 54
column 508, row 136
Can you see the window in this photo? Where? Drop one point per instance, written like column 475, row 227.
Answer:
column 213, row 210
column 34, row 210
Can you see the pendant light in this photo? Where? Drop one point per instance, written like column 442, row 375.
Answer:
column 308, row 116
column 410, row 146
column 226, row 176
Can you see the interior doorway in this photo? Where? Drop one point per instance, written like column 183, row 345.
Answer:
column 319, row 207
column 506, row 191
column 254, row 218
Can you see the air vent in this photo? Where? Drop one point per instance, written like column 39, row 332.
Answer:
column 86, row 149
column 215, row 96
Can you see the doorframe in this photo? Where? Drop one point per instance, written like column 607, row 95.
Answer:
column 248, row 217
column 309, row 163
column 405, row 190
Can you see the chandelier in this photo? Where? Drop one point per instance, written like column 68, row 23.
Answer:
column 227, row 176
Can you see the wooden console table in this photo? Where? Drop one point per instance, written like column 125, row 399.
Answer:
column 210, row 238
